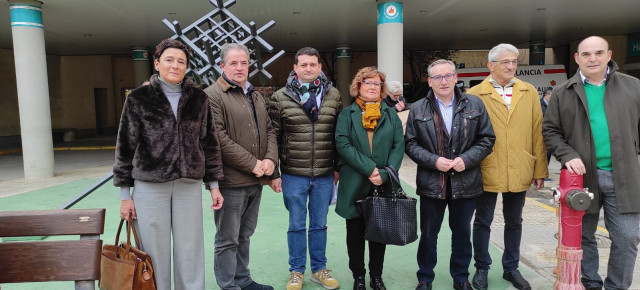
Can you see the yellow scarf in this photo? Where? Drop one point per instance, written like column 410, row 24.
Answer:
column 371, row 113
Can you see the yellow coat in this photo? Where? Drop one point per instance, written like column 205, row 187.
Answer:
column 519, row 155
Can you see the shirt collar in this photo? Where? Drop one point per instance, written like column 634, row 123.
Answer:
column 453, row 99
column 497, row 85
column 586, row 81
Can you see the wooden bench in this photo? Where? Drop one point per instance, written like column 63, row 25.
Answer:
column 65, row 260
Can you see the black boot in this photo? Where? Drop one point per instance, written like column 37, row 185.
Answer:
column 376, row 283
column 359, row 283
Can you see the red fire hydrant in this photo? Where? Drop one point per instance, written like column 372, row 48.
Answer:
column 574, row 200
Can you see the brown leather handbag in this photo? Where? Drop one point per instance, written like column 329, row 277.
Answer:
column 125, row 266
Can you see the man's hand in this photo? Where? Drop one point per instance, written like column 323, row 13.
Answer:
column 127, row 209
column 216, row 198
column 258, row 170
column 458, row 164
column 375, row 177
column 576, row 166
column 276, row 184
column 443, row 164
column 537, row 183
column 268, row 166
column 336, row 177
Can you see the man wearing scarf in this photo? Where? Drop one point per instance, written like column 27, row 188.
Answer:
column 303, row 114
column 448, row 134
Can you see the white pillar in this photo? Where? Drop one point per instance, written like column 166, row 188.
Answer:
column 140, row 65
column 33, row 88
column 343, row 73
column 390, row 39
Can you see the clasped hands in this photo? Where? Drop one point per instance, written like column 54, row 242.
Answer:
column 445, row 164
column 263, row 167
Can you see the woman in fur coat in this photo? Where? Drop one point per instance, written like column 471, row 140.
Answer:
column 167, row 146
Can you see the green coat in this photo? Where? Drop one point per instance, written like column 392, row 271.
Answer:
column 356, row 161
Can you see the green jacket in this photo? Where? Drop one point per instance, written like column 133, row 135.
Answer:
column 305, row 148
column 567, row 133
column 243, row 138
column 356, row 161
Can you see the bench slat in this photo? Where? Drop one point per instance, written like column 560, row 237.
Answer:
column 50, row 261
column 51, row 222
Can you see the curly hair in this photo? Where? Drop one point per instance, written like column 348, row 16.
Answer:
column 365, row 73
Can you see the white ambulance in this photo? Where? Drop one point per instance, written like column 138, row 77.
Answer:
column 542, row 77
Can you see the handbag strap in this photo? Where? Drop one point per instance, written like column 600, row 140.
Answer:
column 127, row 245
column 395, row 180
column 135, row 234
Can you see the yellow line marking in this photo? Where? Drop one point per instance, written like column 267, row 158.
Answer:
column 553, row 209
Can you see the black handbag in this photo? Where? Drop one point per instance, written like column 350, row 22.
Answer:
column 389, row 217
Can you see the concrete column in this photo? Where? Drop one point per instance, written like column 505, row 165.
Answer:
column 343, row 73
column 33, row 88
column 140, row 65
column 390, row 38
column 536, row 52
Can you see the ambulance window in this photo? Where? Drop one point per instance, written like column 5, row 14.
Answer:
column 474, row 82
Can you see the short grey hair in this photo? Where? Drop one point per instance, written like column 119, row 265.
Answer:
column 231, row 45
column 394, row 87
column 500, row 48
column 441, row 61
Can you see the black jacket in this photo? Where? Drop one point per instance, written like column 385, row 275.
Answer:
column 305, row 148
column 471, row 139
column 155, row 146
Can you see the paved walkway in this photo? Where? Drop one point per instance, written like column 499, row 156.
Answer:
column 78, row 169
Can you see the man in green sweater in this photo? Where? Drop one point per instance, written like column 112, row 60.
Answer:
column 590, row 114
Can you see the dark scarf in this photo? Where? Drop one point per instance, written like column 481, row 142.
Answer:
column 310, row 105
column 442, row 142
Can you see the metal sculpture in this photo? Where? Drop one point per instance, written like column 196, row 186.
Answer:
column 206, row 36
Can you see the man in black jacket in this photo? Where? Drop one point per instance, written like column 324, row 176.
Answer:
column 448, row 134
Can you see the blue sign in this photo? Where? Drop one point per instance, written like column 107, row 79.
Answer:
column 389, row 12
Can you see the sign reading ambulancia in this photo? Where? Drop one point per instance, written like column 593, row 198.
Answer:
column 389, row 12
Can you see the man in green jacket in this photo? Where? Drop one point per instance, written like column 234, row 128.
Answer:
column 249, row 153
column 517, row 161
column 304, row 114
column 591, row 126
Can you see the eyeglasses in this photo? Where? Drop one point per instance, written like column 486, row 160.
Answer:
column 372, row 84
column 446, row 77
column 506, row 62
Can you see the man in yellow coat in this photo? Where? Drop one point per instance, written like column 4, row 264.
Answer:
column 518, row 161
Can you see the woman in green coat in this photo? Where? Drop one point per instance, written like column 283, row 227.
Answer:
column 368, row 138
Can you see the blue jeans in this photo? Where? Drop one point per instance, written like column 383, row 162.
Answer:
column 431, row 216
column 512, row 205
column 296, row 190
column 623, row 232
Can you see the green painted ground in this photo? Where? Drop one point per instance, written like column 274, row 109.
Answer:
column 269, row 245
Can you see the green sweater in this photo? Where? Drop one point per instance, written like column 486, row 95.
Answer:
column 599, row 125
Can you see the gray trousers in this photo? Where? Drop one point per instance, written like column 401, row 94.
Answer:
column 624, row 234
column 235, row 223
column 166, row 209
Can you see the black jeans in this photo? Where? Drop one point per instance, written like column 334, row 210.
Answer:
column 512, row 204
column 431, row 216
column 355, row 249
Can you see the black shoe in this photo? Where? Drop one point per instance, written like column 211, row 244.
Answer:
column 480, row 279
column 462, row 286
column 422, row 285
column 359, row 283
column 256, row 286
column 517, row 280
column 376, row 283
